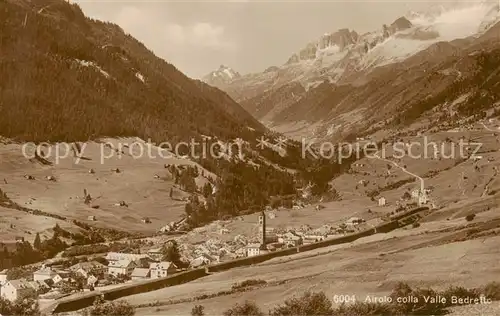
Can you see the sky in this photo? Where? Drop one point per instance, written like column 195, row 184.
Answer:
column 248, row 36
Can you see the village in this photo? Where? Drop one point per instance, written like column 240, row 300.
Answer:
column 214, row 243
column 53, row 282
column 155, row 259
column 162, row 255
column 173, row 248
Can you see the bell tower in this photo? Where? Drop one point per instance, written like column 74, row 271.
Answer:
column 262, row 230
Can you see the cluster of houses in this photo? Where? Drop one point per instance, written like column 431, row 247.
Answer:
column 140, row 266
column 420, row 195
column 269, row 239
column 48, row 281
column 293, row 237
column 122, row 267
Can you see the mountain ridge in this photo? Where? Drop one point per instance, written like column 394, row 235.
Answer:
column 374, row 71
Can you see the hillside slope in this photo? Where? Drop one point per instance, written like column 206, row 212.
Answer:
column 74, row 78
column 68, row 78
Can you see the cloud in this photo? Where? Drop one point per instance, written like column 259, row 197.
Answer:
column 185, row 36
column 199, row 35
column 194, row 43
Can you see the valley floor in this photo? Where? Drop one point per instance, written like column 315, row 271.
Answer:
column 427, row 256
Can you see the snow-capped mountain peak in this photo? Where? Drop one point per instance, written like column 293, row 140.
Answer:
column 345, row 56
column 223, row 74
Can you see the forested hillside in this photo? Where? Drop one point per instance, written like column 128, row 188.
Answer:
column 66, row 77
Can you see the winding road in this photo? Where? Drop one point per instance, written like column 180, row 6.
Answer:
column 487, row 128
column 422, row 185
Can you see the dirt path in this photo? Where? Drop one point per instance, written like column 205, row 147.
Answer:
column 422, row 186
column 487, row 128
column 487, row 186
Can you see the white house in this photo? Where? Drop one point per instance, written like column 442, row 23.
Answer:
column 140, row 274
column 124, row 267
column 44, row 273
column 415, row 193
column 15, row 289
column 420, row 196
column 423, row 199
column 162, row 269
column 381, row 201
column 57, row 278
column 92, row 280
column 253, row 250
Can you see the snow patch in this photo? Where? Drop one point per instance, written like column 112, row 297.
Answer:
column 393, row 50
column 86, row 63
column 229, row 73
column 139, row 76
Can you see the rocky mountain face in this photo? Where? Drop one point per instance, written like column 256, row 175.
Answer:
column 367, row 80
column 221, row 76
column 266, row 105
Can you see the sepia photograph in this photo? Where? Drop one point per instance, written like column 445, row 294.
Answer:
column 249, row 157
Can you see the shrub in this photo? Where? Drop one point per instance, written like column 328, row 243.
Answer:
column 470, row 217
column 459, row 291
column 309, row 304
column 402, row 290
column 246, row 309
column 363, row 309
column 26, row 307
column 421, row 306
column 118, row 308
column 248, row 283
column 492, row 291
column 198, row 310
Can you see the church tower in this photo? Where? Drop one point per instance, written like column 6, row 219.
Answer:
column 262, row 230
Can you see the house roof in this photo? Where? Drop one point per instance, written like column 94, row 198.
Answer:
column 292, row 236
column 140, row 272
column 164, row 265
column 87, row 265
column 20, row 284
column 253, row 245
column 124, row 256
column 199, row 261
column 36, row 285
column 155, row 250
column 120, row 263
column 45, row 271
column 92, row 279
